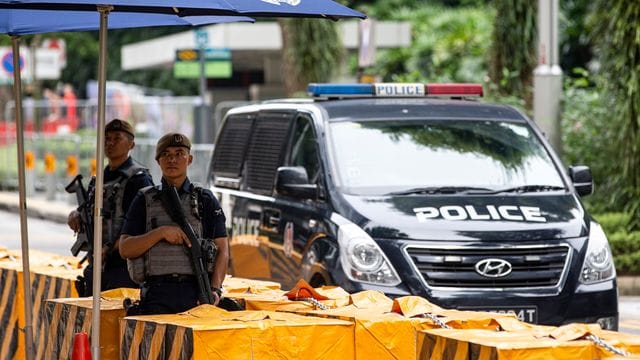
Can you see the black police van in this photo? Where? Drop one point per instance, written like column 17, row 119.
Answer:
column 413, row 189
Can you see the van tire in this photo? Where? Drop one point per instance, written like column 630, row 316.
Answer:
column 312, row 271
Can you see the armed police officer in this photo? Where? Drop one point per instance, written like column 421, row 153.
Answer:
column 159, row 251
column 123, row 177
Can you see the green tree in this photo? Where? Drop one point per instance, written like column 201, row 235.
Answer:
column 513, row 47
column 617, row 37
column 448, row 45
column 312, row 51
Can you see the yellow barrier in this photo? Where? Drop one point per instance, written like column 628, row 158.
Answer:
column 445, row 344
column 72, row 165
column 66, row 317
column 365, row 325
column 51, row 277
column 207, row 332
column 29, row 160
column 49, row 163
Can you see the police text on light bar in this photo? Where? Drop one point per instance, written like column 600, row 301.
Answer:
column 394, row 90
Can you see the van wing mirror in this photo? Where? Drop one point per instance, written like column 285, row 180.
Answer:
column 293, row 181
column 582, row 180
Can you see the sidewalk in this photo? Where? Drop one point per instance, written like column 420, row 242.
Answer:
column 58, row 210
column 37, row 206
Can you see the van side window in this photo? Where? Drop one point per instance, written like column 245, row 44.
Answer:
column 304, row 151
column 266, row 150
column 231, row 150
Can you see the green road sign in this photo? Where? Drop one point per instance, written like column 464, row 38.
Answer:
column 212, row 69
column 217, row 63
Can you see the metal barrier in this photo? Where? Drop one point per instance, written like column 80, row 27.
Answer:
column 52, row 161
column 64, row 134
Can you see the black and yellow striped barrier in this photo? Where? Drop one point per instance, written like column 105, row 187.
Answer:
column 207, row 332
column 66, row 317
column 51, row 277
column 450, row 344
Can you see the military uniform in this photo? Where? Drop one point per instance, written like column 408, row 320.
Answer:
column 120, row 187
column 165, row 271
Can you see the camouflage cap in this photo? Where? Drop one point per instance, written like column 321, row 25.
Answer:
column 172, row 139
column 120, row 125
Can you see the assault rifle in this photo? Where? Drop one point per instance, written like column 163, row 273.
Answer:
column 171, row 202
column 84, row 238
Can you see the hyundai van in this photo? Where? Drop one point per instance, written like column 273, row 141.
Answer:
column 413, row 189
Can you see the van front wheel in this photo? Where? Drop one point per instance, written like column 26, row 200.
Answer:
column 313, row 268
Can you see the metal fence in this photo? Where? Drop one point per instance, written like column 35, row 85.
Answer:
column 43, row 176
column 61, row 134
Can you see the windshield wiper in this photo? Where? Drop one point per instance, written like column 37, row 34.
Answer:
column 526, row 189
column 440, row 190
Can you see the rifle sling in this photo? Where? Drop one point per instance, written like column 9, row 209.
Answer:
column 173, row 211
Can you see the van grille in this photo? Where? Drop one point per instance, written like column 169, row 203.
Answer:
column 455, row 267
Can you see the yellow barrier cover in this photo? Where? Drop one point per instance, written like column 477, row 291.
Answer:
column 207, row 332
column 52, row 276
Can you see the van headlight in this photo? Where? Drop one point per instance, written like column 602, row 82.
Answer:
column 598, row 261
column 362, row 259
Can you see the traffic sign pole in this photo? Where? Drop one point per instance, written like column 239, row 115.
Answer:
column 202, row 41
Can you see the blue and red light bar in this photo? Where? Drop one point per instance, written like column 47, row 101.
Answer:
column 394, row 90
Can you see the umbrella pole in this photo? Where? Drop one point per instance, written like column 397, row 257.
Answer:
column 26, row 273
column 97, row 210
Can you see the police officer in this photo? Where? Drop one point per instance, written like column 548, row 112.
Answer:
column 123, row 177
column 156, row 247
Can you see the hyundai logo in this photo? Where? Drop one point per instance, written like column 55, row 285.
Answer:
column 493, row 268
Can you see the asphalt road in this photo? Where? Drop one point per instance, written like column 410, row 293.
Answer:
column 57, row 238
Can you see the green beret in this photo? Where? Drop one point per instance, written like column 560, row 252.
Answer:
column 120, row 125
column 172, row 139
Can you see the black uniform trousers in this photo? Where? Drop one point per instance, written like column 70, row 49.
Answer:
column 166, row 294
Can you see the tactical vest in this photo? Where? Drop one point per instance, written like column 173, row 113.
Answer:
column 164, row 258
column 113, row 191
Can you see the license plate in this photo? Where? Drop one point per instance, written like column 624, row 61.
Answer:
column 528, row 314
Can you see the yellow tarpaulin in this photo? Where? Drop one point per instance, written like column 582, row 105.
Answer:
column 207, row 332
column 239, row 285
column 52, row 276
column 450, row 344
column 66, row 317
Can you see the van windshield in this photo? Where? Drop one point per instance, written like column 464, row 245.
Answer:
column 382, row 157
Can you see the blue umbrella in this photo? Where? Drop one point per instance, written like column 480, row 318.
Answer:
column 63, row 9
column 262, row 8
column 26, row 22
column 18, row 22
column 293, row 8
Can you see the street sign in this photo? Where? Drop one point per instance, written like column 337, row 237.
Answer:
column 7, row 62
column 209, row 54
column 47, row 63
column 217, row 63
column 212, row 69
column 202, row 37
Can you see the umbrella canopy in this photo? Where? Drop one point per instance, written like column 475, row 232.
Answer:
column 26, row 22
column 17, row 22
column 60, row 11
column 262, row 8
column 293, row 8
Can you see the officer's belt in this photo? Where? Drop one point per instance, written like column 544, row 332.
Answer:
column 170, row 278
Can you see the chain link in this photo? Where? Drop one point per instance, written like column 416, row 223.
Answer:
column 437, row 321
column 315, row 303
column 598, row 341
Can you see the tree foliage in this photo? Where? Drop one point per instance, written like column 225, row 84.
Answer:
column 312, row 51
column 617, row 37
column 513, row 46
column 447, row 45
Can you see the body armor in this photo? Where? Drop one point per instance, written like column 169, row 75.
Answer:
column 113, row 191
column 164, row 258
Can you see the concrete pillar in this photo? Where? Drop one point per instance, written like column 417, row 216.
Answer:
column 547, row 76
